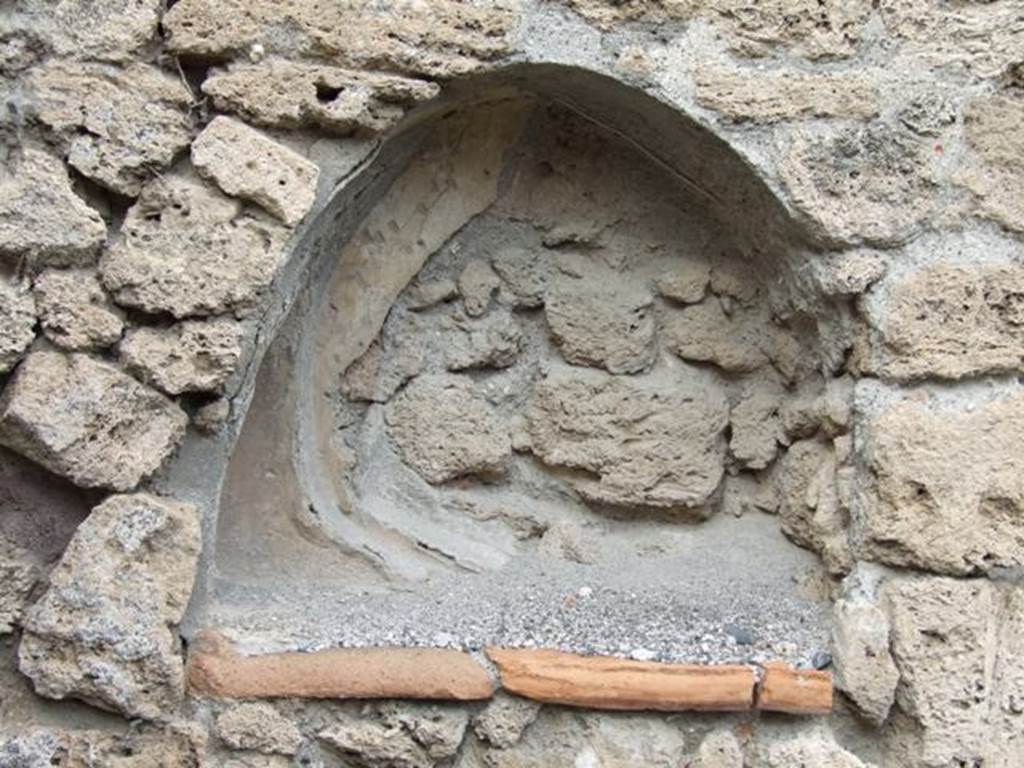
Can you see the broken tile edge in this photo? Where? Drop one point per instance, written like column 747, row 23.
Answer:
column 781, row 688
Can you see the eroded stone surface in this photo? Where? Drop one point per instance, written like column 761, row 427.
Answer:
column 490, row 342
column 809, row 509
column 646, row 442
column 952, row 321
column 861, row 185
column 109, row 30
column 178, row 745
column 18, row 575
column 283, row 94
column 88, row 421
column 686, row 282
column 742, row 95
column 101, row 632
column 75, row 311
column 191, row 356
column 445, row 429
column 525, row 274
column 17, row 322
column 719, row 749
column 438, row 728
column 445, row 39
column 260, row 727
column 376, row 745
column 186, row 249
column 378, row 373
column 806, row 28
column 994, row 170
column 817, row 748
column 119, row 125
column 865, row 670
column 504, row 719
column 941, row 642
column 477, row 284
column 247, row 164
column 704, row 332
column 608, row 326
column 42, row 221
column 944, row 493
column 756, row 425
column 981, row 38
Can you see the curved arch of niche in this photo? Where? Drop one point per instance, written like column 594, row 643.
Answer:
column 533, row 388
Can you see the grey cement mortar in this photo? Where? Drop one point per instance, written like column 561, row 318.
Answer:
column 728, row 593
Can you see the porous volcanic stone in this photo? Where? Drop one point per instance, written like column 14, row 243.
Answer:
column 260, row 727
column 101, row 632
column 119, row 125
column 19, row 573
column 445, row 428
column 245, row 163
column 865, row 670
column 705, row 333
column 641, row 441
column 286, row 94
column 943, row 490
column 952, row 321
column 186, row 249
column 943, row 642
column 190, row 356
column 744, row 95
column 75, row 311
column 603, row 325
column 88, row 421
column 861, row 185
column 446, row 38
column 42, row 221
column 17, row 322
column 105, row 30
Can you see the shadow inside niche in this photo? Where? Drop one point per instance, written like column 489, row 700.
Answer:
column 534, row 399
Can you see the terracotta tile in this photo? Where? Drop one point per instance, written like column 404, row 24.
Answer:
column 217, row 671
column 611, row 683
column 799, row 692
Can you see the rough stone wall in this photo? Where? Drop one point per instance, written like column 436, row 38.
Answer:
column 170, row 175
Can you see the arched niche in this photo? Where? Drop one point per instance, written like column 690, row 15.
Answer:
column 536, row 386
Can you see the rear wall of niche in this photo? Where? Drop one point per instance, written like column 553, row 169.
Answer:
column 584, row 395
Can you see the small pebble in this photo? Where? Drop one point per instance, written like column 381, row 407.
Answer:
column 741, row 635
